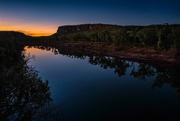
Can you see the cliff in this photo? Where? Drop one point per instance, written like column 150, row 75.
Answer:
column 83, row 27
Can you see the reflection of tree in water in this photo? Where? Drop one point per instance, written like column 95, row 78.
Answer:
column 119, row 65
column 23, row 95
column 161, row 75
column 141, row 71
column 47, row 48
column 167, row 76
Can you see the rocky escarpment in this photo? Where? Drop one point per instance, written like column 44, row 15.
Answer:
column 83, row 27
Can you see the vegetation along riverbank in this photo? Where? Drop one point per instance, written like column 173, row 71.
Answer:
column 23, row 94
column 157, row 44
column 153, row 43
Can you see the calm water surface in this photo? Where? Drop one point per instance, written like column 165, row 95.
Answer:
column 93, row 88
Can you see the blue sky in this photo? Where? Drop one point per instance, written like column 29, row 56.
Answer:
column 36, row 14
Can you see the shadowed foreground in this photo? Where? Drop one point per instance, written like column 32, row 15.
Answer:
column 23, row 95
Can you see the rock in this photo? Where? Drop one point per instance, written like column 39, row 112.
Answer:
column 83, row 27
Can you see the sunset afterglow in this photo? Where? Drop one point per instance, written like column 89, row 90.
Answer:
column 31, row 29
column 43, row 17
column 89, row 60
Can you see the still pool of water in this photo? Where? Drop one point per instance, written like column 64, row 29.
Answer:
column 90, row 88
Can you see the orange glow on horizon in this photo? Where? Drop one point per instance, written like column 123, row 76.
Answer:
column 37, row 33
column 29, row 29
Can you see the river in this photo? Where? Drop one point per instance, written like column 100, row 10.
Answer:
column 100, row 88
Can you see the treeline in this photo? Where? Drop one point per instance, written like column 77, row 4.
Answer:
column 23, row 94
column 162, row 37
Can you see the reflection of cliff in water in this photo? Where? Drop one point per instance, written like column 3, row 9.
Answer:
column 23, row 95
column 162, row 75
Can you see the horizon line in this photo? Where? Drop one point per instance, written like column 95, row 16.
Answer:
column 41, row 34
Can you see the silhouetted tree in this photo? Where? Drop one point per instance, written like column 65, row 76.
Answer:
column 23, row 95
column 133, row 33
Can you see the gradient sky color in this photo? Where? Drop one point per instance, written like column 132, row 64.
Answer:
column 43, row 17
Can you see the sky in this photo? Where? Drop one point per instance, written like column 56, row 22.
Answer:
column 43, row 17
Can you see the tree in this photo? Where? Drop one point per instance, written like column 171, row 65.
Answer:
column 108, row 38
column 147, row 36
column 23, row 95
column 175, row 38
column 121, row 36
column 163, row 33
column 159, row 36
column 93, row 36
column 133, row 33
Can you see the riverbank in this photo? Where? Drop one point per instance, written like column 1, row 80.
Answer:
column 139, row 54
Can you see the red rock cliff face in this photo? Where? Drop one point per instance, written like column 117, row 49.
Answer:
column 84, row 27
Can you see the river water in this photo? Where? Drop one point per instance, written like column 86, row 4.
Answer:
column 98, row 88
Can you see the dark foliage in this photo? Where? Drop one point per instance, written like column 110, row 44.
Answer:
column 23, row 95
column 162, row 37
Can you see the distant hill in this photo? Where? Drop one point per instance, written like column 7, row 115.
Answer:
column 12, row 35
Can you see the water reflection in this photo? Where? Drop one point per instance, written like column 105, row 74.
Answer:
column 163, row 75
column 23, row 95
column 25, row 98
column 167, row 76
column 118, row 91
